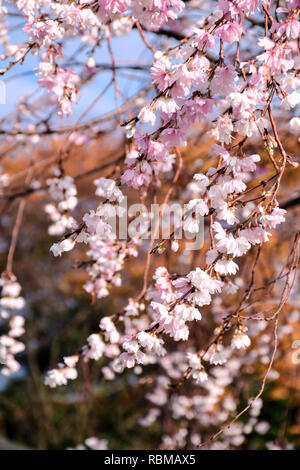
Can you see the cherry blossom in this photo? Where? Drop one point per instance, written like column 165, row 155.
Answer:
column 228, row 76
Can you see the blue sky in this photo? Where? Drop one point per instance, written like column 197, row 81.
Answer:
column 127, row 49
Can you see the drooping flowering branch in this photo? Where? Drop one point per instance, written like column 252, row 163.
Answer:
column 233, row 83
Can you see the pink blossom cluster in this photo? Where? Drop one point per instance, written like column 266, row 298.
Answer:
column 63, row 191
column 11, row 308
column 235, row 86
